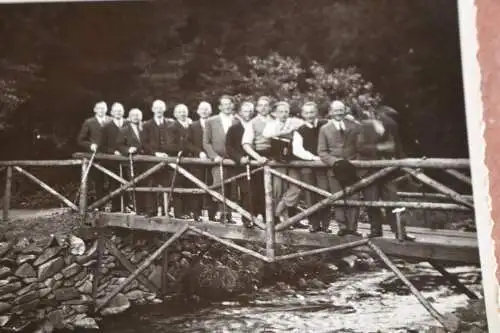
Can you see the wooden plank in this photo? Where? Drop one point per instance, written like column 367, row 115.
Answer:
column 439, row 163
column 7, row 193
column 436, row 245
column 83, row 190
column 459, row 176
column 270, row 229
column 46, row 188
column 453, row 280
column 41, row 162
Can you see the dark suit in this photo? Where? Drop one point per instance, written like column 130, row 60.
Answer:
column 109, row 145
column 126, row 139
column 334, row 145
column 367, row 142
column 235, row 151
column 204, row 173
column 90, row 133
column 165, row 139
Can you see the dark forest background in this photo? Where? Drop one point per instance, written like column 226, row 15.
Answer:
column 57, row 60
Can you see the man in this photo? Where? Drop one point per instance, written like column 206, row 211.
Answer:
column 304, row 147
column 109, row 146
column 214, row 144
column 90, row 137
column 258, row 147
column 236, row 152
column 337, row 141
column 129, row 142
column 161, row 139
column 186, row 206
column 197, row 128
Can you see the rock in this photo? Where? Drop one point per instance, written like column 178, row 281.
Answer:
column 155, row 276
column 49, row 283
column 84, row 299
column 134, row 295
column 71, row 270
column 56, row 317
column 21, row 259
column 44, row 292
column 30, row 280
column 184, row 263
column 80, row 276
column 68, row 283
column 11, row 287
column 4, row 282
column 350, row 261
column 25, row 271
column 4, row 320
column 48, row 254
column 58, row 276
column 28, row 297
column 45, row 327
column 118, row 304
column 86, row 287
column 316, row 283
column 22, row 244
column 8, row 262
column 32, row 249
column 86, row 323
column 90, row 263
column 27, row 289
column 77, row 246
column 302, row 283
column 7, row 297
column 50, row 268
column 80, row 308
column 4, row 272
column 89, row 255
column 24, row 307
column 4, row 307
column 57, row 285
column 65, row 294
column 282, row 286
column 187, row 254
column 5, row 247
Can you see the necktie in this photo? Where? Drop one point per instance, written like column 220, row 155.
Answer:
column 341, row 128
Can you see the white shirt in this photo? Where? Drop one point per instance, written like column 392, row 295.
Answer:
column 101, row 120
column 339, row 124
column 276, row 127
column 185, row 123
column 159, row 121
column 298, row 144
column 227, row 121
column 249, row 133
column 135, row 128
column 118, row 123
column 202, row 123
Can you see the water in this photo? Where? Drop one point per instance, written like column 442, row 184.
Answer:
column 361, row 302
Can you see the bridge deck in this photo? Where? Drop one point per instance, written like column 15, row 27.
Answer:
column 445, row 245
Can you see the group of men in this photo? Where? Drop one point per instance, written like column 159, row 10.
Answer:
column 258, row 132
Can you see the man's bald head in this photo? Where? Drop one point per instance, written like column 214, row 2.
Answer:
column 135, row 115
column 117, row 110
column 181, row 112
column 337, row 110
column 158, row 107
column 100, row 108
column 204, row 110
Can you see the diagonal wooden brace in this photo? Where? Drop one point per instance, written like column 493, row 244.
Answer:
column 336, row 196
column 109, row 173
column 145, row 264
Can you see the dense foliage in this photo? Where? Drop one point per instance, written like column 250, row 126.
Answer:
column 58, row 59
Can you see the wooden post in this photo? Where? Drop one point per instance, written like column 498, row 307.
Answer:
column 7, row 193
column 122, row 199
column 270, row 230
column 143, row 266
column 83, row 188
column 164, row 274
column 450, row 324
column 101, row 246
column 453, row 280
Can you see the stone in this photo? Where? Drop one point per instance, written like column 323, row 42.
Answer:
column 56, row 317
column 32, row 249
column 89, row 255
column 4, row 320
column 81, row 276
column 57, row 285
column 5, row 247
column 49, row 283
column 58, row 276
column 22, row 244
column 4, row 307
column 318, row 284
column 30, row 280
column 28, row 297
column 50, row 268
column 11, row 263
column 22, row 258
column 24, row 307
column 84, row 299
column 45, row 327
column 11, row 287
column 4, row 272
column 48, row 254
column 155, row 276
column 71, row 270
column 86, row 287
column 80, row 308
column 65, row 294
column 44, row 292
column 25, row 271
column 118, row 304
column 68, row 283
column 86, row 323
column 90, row 263
column 27, row 289
column 7, row 297
column 134, row 295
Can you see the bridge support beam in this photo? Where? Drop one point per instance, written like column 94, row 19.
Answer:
column 453, row 280
column 7, row 193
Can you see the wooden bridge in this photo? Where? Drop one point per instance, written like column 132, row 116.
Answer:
column 434, row 245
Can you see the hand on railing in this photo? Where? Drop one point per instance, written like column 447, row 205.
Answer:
column 245, row 160
column 203, row 156
column 93, row 147
column 160, row 154
column 218, row 159
column 132, row 150
column 262, row 160
column 117, row 153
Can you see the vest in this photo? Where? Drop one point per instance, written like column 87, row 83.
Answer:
column 310, row 137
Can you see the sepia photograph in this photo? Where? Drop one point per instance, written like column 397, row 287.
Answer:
column 241, row 166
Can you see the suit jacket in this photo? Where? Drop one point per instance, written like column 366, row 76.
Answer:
column 91, row 132
column 333, row 145
column 234, row 148
column 162, row 139
column 109, row 138
column 214, row 138
column 367, row 142
column 127, row 139
column 196, row 137
column 186, row 140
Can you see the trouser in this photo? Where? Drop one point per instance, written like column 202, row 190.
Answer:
column 189, row 203
column 346, row 217
column 245, row 189
column 384, row 190
column 161, row 178
column 140, row 197
column 217, row 178
column 113, row 184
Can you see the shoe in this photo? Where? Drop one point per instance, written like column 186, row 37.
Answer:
column 409, row 238
column 314, row 229
column 374, row 235
column 247, row 223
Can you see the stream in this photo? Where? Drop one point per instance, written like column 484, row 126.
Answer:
column 361, row 302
